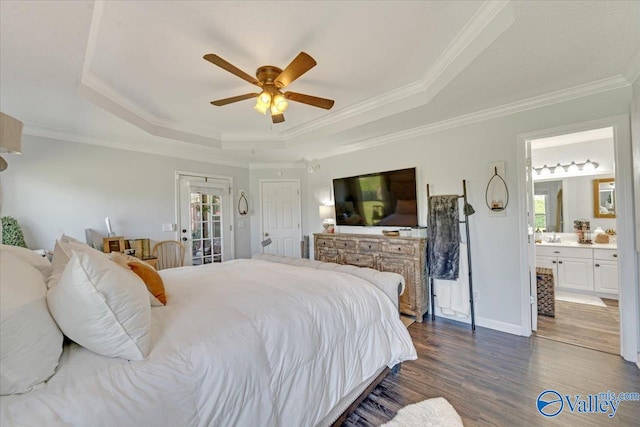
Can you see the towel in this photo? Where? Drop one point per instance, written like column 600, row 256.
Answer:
column 453, row 295
column 443, row 243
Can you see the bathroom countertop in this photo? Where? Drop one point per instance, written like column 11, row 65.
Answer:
column 581, row 245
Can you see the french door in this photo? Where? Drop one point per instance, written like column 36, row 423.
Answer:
column 205, row 219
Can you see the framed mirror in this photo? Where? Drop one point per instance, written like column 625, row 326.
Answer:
column 604, row 198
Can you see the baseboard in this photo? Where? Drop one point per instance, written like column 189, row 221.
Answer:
column 486, row 323
column 509, row 328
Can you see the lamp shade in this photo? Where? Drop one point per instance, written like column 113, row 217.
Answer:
column 326, row 212
column 10, row 134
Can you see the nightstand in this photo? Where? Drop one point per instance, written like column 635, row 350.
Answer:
column 152, row 261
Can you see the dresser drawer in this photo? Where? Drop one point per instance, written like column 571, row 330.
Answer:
column 369, row 246
column 327, row 255
column 399, row 248
column 609, row 254
column 346, row 245
column 360, row 260
column 324, row 243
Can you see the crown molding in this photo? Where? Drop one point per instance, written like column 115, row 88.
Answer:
column 180, row 150
column 612, row 83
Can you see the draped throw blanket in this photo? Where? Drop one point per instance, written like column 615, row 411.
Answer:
column 443, row 243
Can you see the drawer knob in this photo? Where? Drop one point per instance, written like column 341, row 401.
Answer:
column 597, row 265
column 615, row 255
column 556, row 252
column 559, row 262
column 370, row 247
column 399, row 249
column 553, row 262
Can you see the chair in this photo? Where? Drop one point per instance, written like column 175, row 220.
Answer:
column 170, row 254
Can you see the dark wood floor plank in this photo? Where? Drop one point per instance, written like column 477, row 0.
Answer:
column 493, row 379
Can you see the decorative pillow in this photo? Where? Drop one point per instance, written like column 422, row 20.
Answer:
column 31, row 340
column 30, row 257
column 406, row 207
column 152, row 280
column 62, row 254
column 102, row 307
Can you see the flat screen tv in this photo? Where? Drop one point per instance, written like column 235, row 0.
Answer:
column 377, row 199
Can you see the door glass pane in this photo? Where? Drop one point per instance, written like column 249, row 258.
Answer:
column 206, row 228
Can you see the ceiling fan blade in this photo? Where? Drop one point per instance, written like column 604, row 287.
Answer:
column 216, row 60
column 221, row 102
column 310, row 100
column 300, row 65
column 277, row 118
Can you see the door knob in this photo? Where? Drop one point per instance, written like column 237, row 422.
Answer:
column 184, row 230
column 266, row 234
column 184, row 239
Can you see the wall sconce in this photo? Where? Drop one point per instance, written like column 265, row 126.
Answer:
column 572, row 167
column 10, row 137
column 326, row 214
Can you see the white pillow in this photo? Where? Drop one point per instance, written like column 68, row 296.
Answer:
column 62, row 254
column 31, row 342
column 102, row 307
column 30, row 257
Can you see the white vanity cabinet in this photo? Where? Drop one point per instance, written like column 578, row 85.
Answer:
column 587, row 269
column 573, row 267
column 605, row 270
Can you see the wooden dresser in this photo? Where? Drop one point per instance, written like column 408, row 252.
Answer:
column 402, row 255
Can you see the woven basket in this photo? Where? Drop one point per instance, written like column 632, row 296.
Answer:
column 546, row 293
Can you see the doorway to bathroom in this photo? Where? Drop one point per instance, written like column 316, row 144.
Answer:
column 575, row 239
column 626, row 257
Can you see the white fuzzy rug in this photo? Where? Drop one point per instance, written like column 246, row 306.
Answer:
column 436, row 412
column 579, row 298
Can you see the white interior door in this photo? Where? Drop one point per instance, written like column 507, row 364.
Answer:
column 280, row 203
column 205, row 219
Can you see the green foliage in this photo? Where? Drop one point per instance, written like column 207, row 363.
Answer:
column 12, row 232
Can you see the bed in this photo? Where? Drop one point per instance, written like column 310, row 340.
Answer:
column 260, row 342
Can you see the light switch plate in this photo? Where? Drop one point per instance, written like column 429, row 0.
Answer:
column 168, row 227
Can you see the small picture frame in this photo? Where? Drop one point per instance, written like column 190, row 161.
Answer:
column 113, row 244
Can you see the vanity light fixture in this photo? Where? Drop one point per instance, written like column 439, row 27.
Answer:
column 572, row 167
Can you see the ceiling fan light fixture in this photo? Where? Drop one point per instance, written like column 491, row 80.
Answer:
column 261, row 107
column 280, row 103
column 265, row 98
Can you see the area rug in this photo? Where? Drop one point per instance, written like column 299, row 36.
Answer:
column 579, row 298
column 436, row 412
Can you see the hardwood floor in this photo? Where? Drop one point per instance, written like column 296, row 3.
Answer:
column 585, row 325
column 493, row 378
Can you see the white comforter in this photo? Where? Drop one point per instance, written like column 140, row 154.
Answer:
column 243, row 343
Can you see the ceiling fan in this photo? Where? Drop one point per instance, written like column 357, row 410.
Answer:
column 272, row 79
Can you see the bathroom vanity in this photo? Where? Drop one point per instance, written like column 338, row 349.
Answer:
column 581, row 267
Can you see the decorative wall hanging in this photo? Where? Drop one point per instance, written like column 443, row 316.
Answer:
column 496, row 194
column 243, row 204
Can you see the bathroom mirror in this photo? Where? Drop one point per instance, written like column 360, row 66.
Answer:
column 548, row 205
column 604, row 198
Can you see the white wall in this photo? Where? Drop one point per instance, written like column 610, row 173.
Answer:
column 445, row 158
column 56, row 187
column 579, row 203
